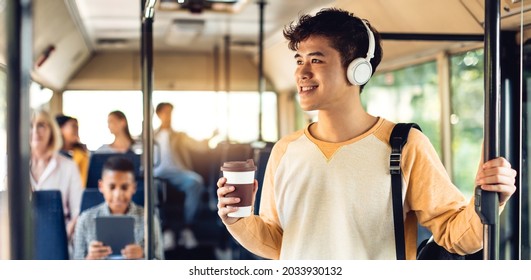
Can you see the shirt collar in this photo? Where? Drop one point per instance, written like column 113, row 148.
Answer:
column 130, row 210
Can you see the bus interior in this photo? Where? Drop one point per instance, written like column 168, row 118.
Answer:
column 226, row 68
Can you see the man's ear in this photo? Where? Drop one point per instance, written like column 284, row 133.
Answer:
column 100, row 186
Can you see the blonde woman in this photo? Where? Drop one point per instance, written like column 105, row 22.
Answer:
column 50, row 170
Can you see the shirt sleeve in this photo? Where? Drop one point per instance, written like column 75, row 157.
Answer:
column 262, row 235
column 438, row 204
column 80, row 243
column 75, row 191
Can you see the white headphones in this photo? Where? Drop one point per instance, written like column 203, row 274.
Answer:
column 359, row 71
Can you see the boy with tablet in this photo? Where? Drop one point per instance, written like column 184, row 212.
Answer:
column 117, row 185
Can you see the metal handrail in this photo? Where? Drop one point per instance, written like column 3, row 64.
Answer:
column 487, row 203
column 19, row 55
column 148, row 13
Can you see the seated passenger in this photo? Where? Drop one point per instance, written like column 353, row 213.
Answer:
column 72, row 147
column 117, row 185
column 123, row 141
column 175, row 167
column 50, row 170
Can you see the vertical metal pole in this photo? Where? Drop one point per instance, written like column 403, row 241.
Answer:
column 487, row 203
column 510, row 227
column 227, row 82
column 216, row 71
column 216, row 68
column 147, row 89
column 19, row 60
column 261, row 79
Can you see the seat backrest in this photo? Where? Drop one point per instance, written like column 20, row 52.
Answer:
column 234, row 151
column 93, row 197
column 261, row 162
column 97, row 160
column 50, row 238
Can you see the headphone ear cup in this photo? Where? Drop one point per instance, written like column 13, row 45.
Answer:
column 359, row 71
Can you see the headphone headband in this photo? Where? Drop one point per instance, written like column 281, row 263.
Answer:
column 370, row 51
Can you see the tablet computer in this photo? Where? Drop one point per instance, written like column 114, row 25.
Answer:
column 115, row 231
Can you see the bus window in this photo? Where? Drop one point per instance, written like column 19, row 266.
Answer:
column 198, row 113
column 91, row 108
column 407, row 95
column 467, row 94
column 233, row 115
column 415, row 90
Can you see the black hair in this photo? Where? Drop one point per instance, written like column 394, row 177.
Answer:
column 62, row 120
column 118, row 163
column 346, row 32
column 161, row 105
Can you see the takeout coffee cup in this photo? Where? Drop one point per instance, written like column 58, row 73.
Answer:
column 240, row 174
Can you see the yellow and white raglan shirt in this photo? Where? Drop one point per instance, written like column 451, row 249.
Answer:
column 325, row 200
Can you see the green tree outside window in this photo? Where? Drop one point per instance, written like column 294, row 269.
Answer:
column 467, row 97
column 407, row 95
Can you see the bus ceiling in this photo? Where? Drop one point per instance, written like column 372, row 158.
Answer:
column 75, row 40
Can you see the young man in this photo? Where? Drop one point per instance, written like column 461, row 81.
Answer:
column 327, row 188
column 176, row 168
column 117, row 185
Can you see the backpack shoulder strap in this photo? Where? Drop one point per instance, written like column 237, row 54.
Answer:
column 399, row 137
column 397, row 141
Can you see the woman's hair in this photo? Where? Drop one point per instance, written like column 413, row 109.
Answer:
column 121, row 116
column 56, row 141
column 62, row 120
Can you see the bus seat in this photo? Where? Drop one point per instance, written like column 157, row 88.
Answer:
column 235, row 151
column 92, row 197
column 171, row 206
column 97, row 160
column 261, row 158
column 50, row 238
